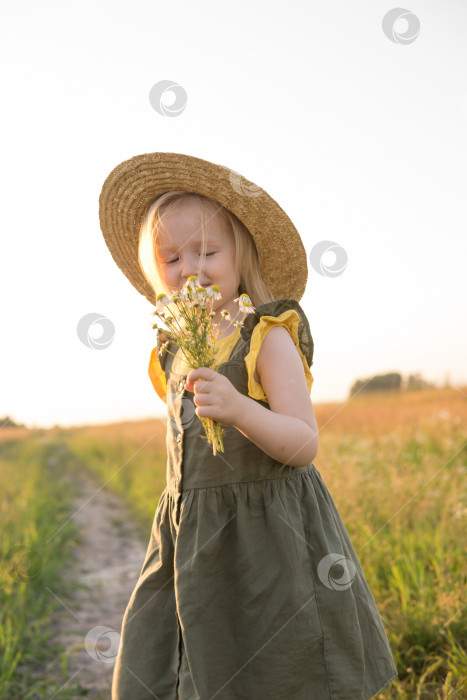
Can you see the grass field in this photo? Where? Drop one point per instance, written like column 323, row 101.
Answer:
column 395, row 465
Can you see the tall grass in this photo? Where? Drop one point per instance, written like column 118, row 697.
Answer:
column 396, row 466
column 34, row 504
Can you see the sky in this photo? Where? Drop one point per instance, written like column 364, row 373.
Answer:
column 352, row 117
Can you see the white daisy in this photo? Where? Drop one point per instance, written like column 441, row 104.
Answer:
column 245, row 305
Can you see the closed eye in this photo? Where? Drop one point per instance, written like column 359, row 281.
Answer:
column 175, row 259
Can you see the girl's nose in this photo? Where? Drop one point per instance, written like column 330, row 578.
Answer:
column 190, row 265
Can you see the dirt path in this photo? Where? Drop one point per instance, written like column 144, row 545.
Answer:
column 107, row 563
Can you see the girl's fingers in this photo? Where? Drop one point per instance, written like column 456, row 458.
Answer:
column 197, row 386
column 200, row 373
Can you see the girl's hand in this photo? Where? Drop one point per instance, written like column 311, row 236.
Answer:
column 215, row 396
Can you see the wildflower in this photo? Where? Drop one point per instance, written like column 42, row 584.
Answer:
column 214, row 292
column 245, row 304
column 161, row 301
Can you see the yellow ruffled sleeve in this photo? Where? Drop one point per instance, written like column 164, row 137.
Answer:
column 157, row 375
column 290, row 320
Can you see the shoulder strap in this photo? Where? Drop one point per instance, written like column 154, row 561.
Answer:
column 276, row 308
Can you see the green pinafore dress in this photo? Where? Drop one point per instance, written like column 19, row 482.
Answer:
column 250, row 588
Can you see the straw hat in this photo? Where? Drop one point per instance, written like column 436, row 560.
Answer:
column 135, row 183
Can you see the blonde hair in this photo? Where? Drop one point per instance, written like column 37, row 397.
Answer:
column 246, row 262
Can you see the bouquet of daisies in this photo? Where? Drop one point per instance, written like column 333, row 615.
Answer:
column 192, row 329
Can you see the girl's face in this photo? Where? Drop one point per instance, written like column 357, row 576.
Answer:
column 179, row 250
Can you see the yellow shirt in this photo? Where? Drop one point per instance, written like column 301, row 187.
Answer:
column 288, row 319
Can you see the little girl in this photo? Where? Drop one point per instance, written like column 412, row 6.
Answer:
column 251, row 588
